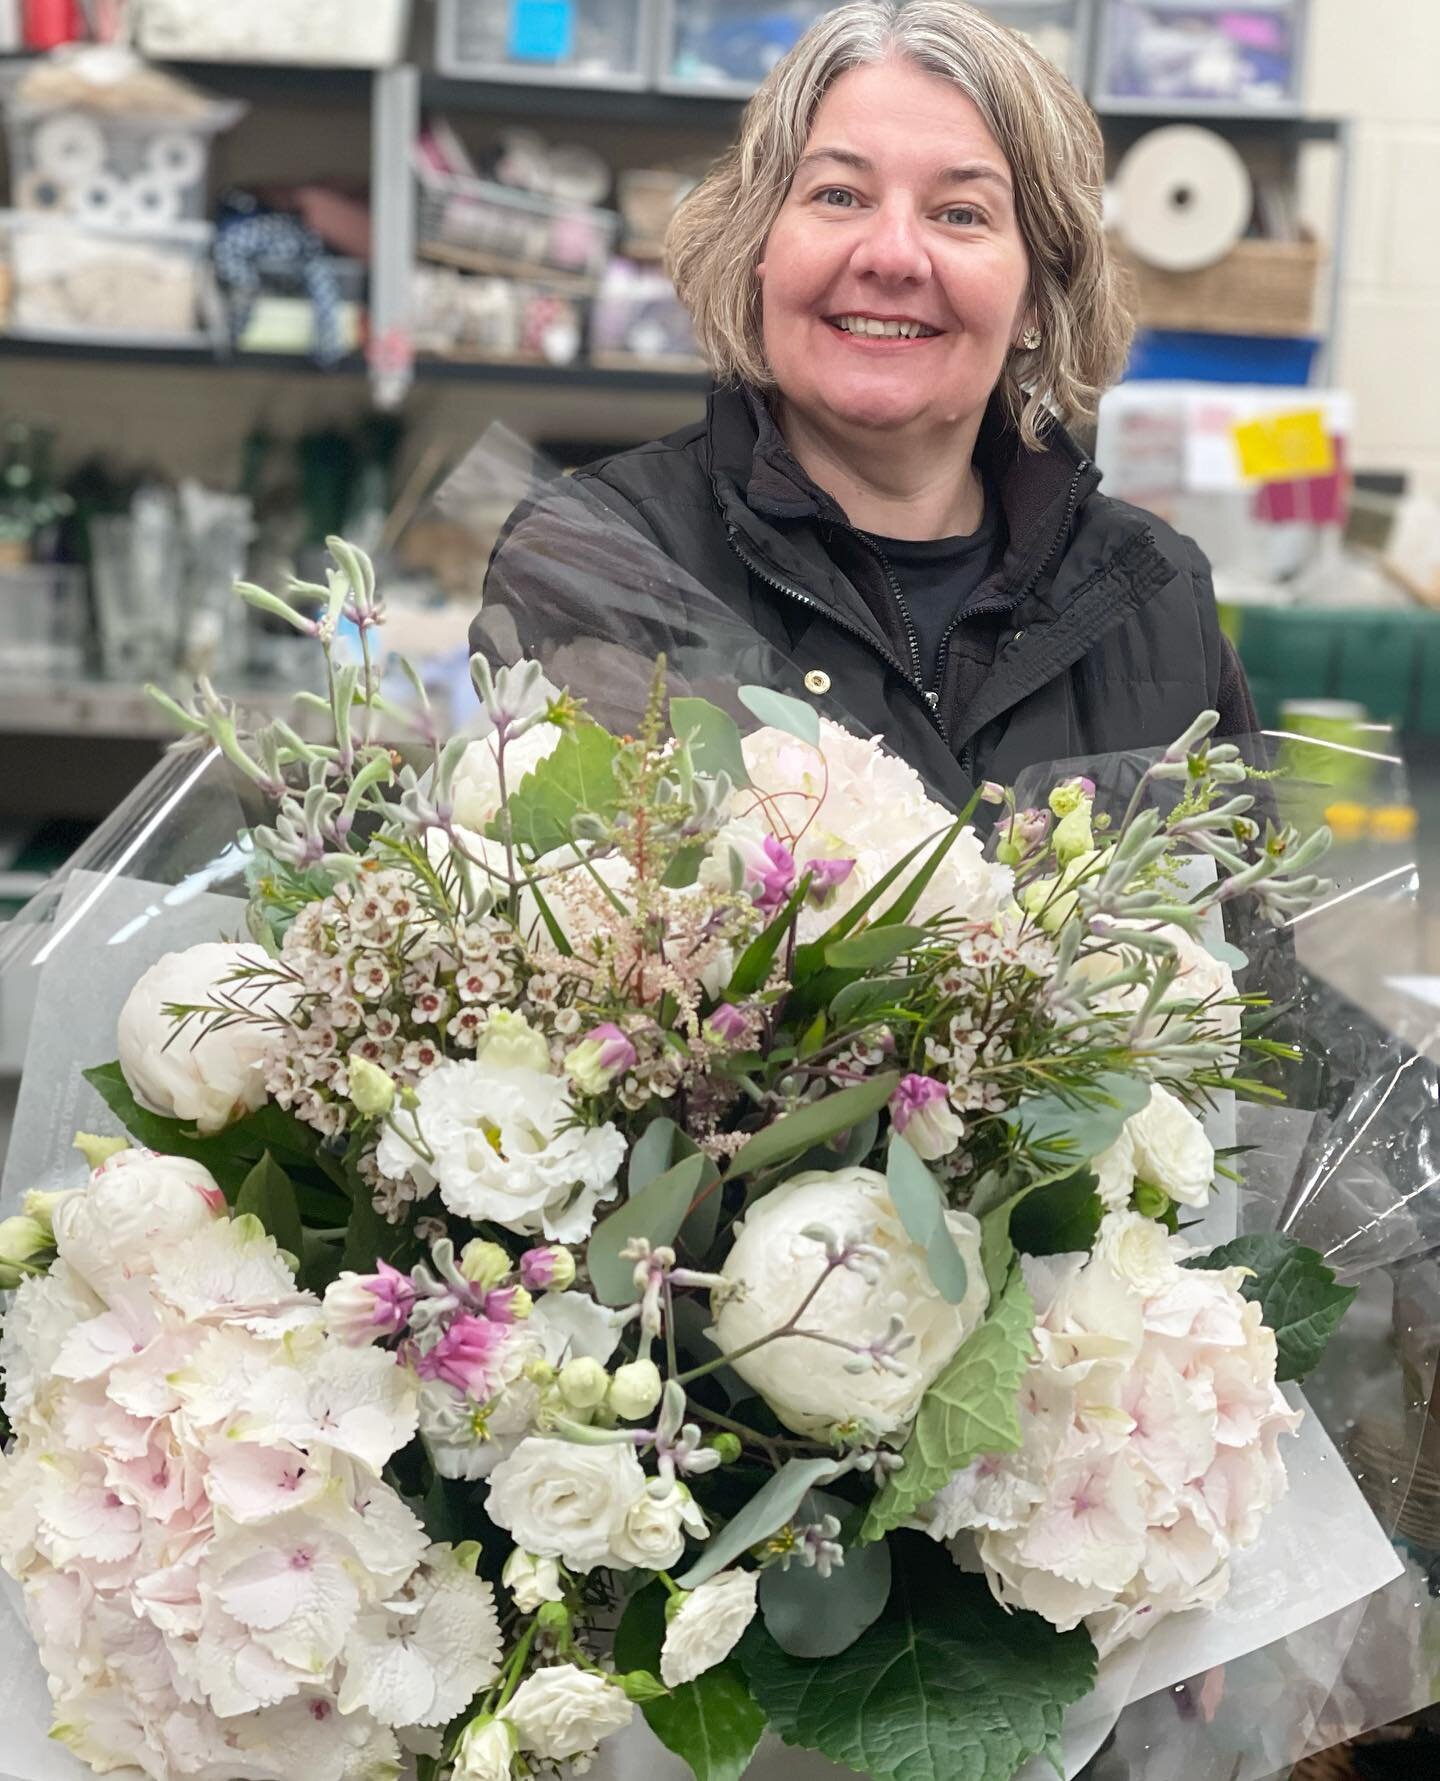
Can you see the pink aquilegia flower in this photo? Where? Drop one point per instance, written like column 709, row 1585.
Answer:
column 826, row 877
column 921, row 1113
column 548, row 1269
column 468, row 1356
column 507, row 1304
column 362, row 1308
column 602, row 1055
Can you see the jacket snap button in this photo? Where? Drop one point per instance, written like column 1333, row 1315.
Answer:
column 817, row 681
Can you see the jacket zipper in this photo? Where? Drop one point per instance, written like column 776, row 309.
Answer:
column 1011, row 602
column 827, row 612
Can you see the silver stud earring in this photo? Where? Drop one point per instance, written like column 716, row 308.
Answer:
column 1030, row 339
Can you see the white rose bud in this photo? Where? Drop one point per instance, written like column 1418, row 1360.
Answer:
column 372, row 1090
column 531, row 1580
column 652, row 1533
column 1172, row 1150
column 583, row 1383
column 635, row 1390
column 486, row 1750
column 563, row 1711
column 564, row 1500
column 206, row 1076
column 705, row 1624
column 1138, row 1250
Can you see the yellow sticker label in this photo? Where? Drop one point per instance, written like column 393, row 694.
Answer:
column 1283, row 447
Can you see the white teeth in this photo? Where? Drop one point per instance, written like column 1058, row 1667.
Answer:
column 868, row 325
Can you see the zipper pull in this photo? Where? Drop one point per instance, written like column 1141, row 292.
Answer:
column 932, row 699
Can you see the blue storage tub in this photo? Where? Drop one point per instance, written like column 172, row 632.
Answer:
column 1167, row 355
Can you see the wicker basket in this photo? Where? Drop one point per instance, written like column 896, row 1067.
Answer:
column 1260, row 287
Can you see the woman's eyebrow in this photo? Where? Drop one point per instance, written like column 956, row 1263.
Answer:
column 974, row 170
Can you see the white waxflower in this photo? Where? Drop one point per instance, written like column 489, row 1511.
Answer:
column 707, row 1625
column 136, row 1208
column 565, row 1500
column 204, row 1076
column 504, row 1147
column 806, row 1382
column 531, row 1580
column 475, row 791
column 563, row 1711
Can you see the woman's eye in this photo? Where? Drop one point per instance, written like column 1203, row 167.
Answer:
column 964, row 214
column 837, row 197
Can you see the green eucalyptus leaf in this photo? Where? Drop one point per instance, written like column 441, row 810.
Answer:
column 714, row 738
column 783, row 712
column 817, row 1121
column 655, row 1213
column 917, row 1198
column 772, row 1506
column 653, row 1153
column 808, row 1615
column 1084, row 1124
column 1298, row 1295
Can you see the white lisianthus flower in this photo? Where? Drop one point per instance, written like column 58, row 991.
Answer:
column 707, row 1625
column 562, row 1500
column 652, row 1535
column 486, row 1751
column 805, row 1382
column 873, row 810
column 531, row 1580
column 1150, row 1425
column 563, row 1711
column 503, row 1146
column 475, row 791
column 204, row 1076
column 137, row 1207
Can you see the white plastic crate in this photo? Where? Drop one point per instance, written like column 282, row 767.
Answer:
column 318, row 33
column 483, row 227
column 602, row 43
column 70, row 282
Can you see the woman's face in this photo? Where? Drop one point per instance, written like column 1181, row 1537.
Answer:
column 901, row 211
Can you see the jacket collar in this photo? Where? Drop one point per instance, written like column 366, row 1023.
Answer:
column 1038, row 491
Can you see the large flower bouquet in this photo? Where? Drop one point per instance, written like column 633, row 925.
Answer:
column 660, row 1223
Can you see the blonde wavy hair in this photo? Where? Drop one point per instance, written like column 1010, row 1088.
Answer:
column 1045, row 130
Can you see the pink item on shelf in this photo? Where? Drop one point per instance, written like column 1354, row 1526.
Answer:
column 49, row 23
column 1256, row 30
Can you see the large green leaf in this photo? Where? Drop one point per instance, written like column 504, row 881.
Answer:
column 811, row 957
column 794, row 1133
column 767, row 1511
column 809, row 1615
column 713, row 735
column 783, row 711
column 917, row 1198
column 652, row 1153
column 905, row 903
column 268, row 1192
column 712, row 1723
column 1058, row 1216
column 578, row 775
column 1298, row 1295
column 655, row 1213
column 874, row 948
column 969, row 1410
column 945, row 1686
column 1080, row 1127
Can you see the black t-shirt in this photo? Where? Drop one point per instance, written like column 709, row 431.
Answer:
column 938, row 577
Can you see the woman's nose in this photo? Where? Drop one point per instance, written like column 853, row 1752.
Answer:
column 892, row 247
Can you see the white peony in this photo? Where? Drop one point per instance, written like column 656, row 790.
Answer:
column 1150, row 1423
column 564, row 1500
column 502, row 1145
column 707, row 1625
column 475, row 792
column 137, row 1207
column 563, row 1711
column 872, row 809
column 1164, row 1144
column 202, row 1075
column 806, row 1382
column 652, row 1535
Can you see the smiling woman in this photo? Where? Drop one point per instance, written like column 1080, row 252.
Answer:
column 899, row 276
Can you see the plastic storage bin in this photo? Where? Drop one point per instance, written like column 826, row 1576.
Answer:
column 638, row 320
column 603, row 43
column 334, row 33
column 109, row 285
column 44, row 617
column 1059, row 29
column 728, row 46
column 1161, row 355
column 483, row 227
column 1155, row 54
